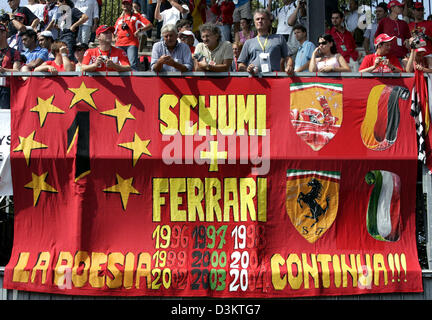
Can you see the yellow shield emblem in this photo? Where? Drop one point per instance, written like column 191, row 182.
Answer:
column 316, row 111
column 312, row 199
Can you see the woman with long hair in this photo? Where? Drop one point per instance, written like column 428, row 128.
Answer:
column 245, row 32
column 325, row 57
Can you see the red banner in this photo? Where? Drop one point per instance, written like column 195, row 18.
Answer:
column 228, row 187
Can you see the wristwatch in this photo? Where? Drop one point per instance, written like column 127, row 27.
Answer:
column 208, row 67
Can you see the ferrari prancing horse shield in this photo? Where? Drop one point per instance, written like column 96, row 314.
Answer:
column 312, row 199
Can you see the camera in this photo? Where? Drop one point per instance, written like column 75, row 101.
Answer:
column 4, row 18
column 124, row 26
column 198, row 56
column 419, row 40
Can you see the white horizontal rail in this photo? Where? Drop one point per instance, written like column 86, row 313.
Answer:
column 280, row 74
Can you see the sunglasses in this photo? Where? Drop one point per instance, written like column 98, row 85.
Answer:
column 322, row 43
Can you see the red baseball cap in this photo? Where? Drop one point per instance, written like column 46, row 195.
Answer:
column 418, row 5
column 383, row 37
column 394, row 3
column 104, row 28
column 19, row 15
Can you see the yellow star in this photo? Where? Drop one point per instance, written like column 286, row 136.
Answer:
column 138, row 148
column 38, row 185
column 121, row 112
column 83, row 94
column 44, row 107
column 125, row 188
column 27, row 145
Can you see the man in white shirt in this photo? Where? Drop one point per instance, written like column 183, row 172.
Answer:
column 91, row 9
column 171, row 15
column 37, row 9
column 352, row 16
column 282, row 14
column 369, row 35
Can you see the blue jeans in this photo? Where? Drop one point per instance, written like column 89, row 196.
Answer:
column 84, row 33
column 225, row 32
column 4, row 97
column 132, row 53
column 69, row 38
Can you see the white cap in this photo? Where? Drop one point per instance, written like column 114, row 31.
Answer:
column 47, row 34
column 188, row 33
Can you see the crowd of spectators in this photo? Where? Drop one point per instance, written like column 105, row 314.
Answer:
column 211, row 36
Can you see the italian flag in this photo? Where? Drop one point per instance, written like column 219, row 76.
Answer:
column 383, row 214
column 325, row 175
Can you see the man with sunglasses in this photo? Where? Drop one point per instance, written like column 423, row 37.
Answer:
column 422, row 26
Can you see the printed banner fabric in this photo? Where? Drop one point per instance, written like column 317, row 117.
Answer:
column 5, row 166
column 227, row 187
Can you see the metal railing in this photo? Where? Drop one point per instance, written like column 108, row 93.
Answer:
column 279, row 74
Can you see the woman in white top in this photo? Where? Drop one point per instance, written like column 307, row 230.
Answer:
column 325, row 57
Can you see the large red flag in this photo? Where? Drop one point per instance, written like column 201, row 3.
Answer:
column 228, row 187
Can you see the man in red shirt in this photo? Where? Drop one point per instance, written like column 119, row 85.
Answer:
column 127, row 28
column 393, row 26
column 223, row 10
column 344, row 40
column 382, row 60
column 10, row 60
column 423, row 26
column 105, row 57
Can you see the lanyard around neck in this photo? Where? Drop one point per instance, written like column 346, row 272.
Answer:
column 109, row 53
column 261, row 45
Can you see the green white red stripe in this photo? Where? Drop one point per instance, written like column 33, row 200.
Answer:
column 327, row 86
column 383, row 215
column 327, row 175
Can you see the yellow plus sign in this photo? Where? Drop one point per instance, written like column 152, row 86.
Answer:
column 213, row 155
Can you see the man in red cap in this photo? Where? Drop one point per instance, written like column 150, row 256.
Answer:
column 382, row 60
column 422, row 26
column 127, row 28
column 105, row 57
column 393, row 26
